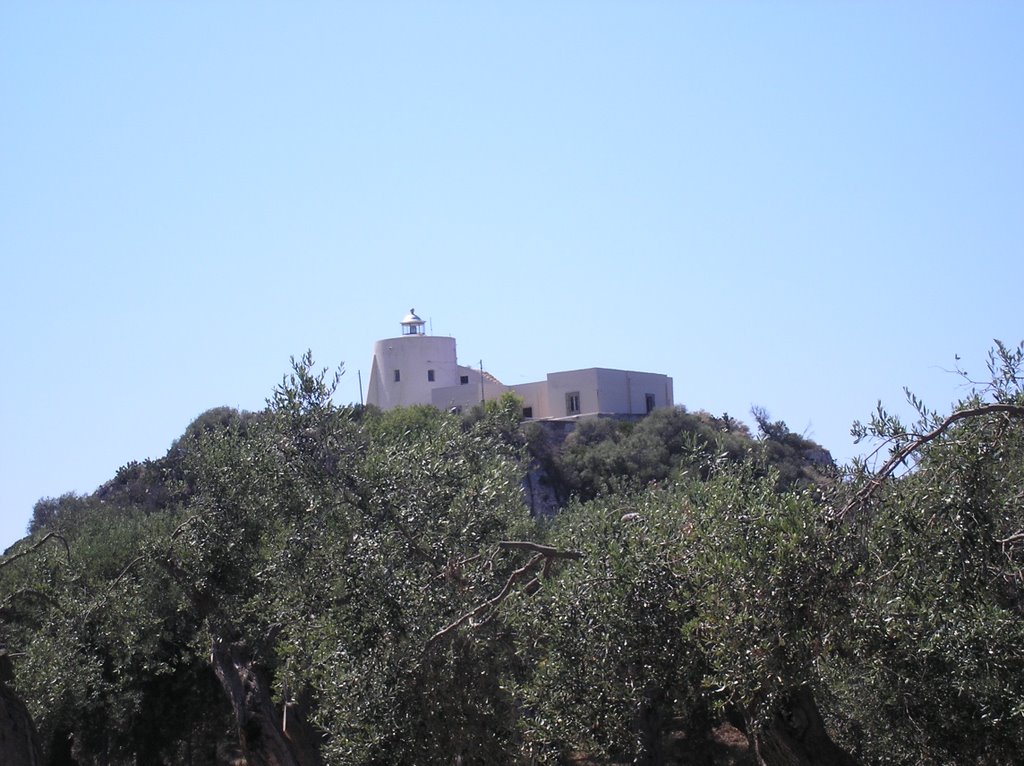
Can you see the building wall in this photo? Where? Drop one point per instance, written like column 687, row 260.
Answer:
column 413, row 356
column 625, row 391
column 535, row 398
column 464, row 395
column 600, row 391
column 562, row 384
column 429, row 373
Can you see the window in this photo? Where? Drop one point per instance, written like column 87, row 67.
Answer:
column 527, row 412
column 464, row 380
column 572, row 403
column 649, row 401
column 430, row 376
column 398, row 376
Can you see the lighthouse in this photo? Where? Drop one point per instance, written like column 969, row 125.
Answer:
column 416, row 368
column 407, row 369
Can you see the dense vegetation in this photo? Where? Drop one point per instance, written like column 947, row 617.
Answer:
column 315, row 584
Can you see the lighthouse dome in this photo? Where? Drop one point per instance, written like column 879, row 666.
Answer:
column 412, row 324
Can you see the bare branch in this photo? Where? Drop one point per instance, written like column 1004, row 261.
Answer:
column 46, row 537
column 544, row 550
column 480, row 609
column 900, row 456
column 543, row 553
column 127, row 568
column 7, row 602
column 183, row 525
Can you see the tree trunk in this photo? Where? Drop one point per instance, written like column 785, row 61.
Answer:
column 796, row 736
column 649, row 724
column 19, row 745
column 260, row 734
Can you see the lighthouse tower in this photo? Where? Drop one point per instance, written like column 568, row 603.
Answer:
column 405, row 370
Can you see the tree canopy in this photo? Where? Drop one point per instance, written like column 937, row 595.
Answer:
column 324, row 584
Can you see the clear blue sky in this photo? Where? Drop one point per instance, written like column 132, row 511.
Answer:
column 804, row 206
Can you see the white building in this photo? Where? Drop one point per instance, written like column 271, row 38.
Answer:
column 416, row 368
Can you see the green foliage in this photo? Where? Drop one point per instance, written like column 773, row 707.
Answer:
column 104, row 654
column 938, row 673
column 770, row 587
column 334, row 545
column 605, row 456
column 613, row 669
column 53, row 513
column 351, row 559
column 799, row 463
column 434, row 491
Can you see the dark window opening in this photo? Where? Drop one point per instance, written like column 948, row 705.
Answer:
column 572, row 403
column 527, row 412
column 430, row 375
column 464, row 380
column 649, row 401
column 398, row 376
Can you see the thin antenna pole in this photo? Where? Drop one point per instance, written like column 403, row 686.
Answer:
column 359, row 374
column 481, row 382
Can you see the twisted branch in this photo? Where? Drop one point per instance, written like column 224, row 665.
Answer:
column 46, row 537
column 543, row 554
column 868, row 490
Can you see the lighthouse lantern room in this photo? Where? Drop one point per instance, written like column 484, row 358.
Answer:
column 412, row 324
column 406, row 370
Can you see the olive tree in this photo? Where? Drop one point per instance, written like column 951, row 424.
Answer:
column 936, row 668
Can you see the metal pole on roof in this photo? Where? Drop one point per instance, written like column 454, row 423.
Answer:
column 359, row 374
column 482, row 398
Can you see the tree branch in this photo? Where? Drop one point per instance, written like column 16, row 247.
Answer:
column 47, row 536
column 543, row 553
column 900, row 456
column 480, row 609
column 544, row 550
column 7, row 602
